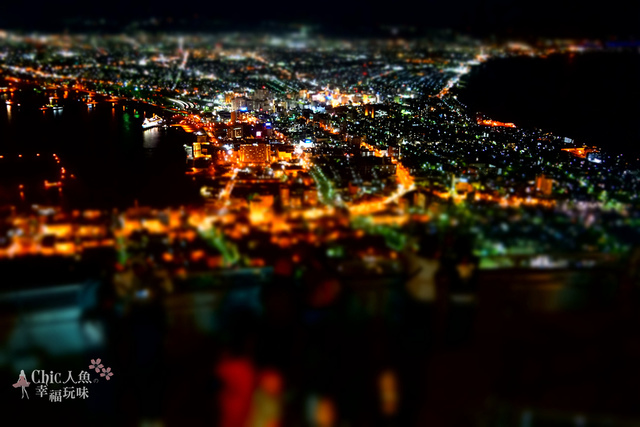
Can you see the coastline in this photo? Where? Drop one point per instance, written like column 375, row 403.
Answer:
column 563, row 93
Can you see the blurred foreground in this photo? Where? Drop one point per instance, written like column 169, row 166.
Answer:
column 439, row 342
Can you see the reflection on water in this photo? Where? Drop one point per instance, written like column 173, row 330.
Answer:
column 126, row 122
column 151, row 138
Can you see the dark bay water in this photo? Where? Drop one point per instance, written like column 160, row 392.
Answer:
column 592, row 97
column 114, row 161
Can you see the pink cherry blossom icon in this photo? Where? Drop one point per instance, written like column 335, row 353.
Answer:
column 106, row 373
column 95, row 364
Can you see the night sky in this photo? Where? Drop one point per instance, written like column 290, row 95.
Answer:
column 612, row 19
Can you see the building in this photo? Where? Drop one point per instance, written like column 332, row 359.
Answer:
column 544, row 185
column 240, row 130
column 242, row 103
column 285, row 152
column 189, row 151
column 255, row 153
column 594, row 157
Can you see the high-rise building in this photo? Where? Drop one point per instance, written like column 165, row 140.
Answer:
column 255, row 153
column 242, row 103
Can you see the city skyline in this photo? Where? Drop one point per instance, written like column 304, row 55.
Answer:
column 334, row 225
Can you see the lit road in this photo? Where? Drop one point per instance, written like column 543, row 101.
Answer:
column 226, row 193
